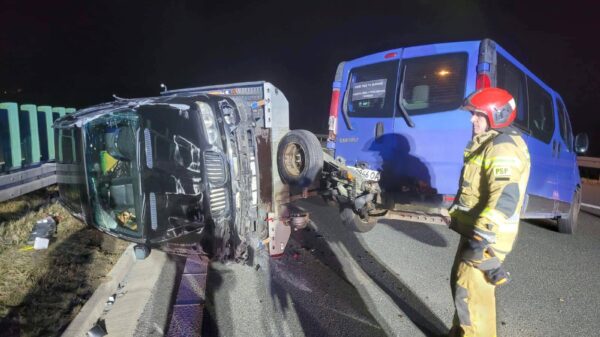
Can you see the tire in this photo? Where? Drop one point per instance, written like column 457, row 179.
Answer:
column 355, row 222
column 568, row 225
column 299, row 158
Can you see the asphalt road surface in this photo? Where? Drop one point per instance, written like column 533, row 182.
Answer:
column 394, row 281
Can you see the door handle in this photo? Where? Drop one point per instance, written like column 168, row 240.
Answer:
column 378, row 130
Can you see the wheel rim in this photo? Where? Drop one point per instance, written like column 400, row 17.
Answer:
column 294, row 159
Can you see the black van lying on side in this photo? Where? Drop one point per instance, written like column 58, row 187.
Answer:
column 191, row 166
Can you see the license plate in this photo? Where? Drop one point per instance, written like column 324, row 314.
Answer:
column 369, row 174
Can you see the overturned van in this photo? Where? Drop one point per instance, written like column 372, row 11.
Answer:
column 190, row 166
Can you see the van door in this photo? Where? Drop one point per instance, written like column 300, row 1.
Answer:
column 420, row 143
column 543, row 180
column 369, row 88
column 566, row 158
column 430, row 130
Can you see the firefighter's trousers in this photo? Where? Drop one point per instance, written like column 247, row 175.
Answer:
column 474, row 299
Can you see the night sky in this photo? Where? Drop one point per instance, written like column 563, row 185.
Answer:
column 75, row 53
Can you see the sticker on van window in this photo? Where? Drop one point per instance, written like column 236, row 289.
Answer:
column 369, row 89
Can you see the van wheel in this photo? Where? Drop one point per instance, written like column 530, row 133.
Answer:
column 355, row 222
column 299, row 158
column 568, row 225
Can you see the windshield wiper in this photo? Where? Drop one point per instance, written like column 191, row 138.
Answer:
column 407, row 118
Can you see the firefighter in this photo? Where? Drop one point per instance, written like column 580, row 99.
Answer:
column 486, row 210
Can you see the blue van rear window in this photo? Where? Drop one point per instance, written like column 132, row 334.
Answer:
column 434, row 83
column 372, row 90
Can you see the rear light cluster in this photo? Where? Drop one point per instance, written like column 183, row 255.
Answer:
column 486, row 65
column 333, row 114
column 483, row 81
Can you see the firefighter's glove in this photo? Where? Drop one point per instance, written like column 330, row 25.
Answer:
column 491, row 266
column 497, row 276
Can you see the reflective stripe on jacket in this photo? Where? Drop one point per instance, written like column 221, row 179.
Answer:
column 492, row 189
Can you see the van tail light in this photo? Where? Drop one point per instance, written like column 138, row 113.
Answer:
column 483, row 81
column 333, row 114
column 486, row 65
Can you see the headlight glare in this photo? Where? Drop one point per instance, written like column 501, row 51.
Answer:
column 208, row 119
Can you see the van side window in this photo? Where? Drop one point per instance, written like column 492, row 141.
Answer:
column 66, row 146
column 371, row 90
column 511, row 79
column 569, row 132
column 541, row 114
column 434, row 83
column 565, row 127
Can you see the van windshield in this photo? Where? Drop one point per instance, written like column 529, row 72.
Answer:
column 113, row 172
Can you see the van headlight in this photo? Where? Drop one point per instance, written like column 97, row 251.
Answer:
column 210, row 125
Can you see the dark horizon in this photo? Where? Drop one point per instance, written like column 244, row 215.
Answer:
column 78, row 54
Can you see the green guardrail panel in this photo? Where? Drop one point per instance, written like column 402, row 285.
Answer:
column 57, row 112
column 10, row 138
column 30, row 135
column 65, row 138
column 46, row 132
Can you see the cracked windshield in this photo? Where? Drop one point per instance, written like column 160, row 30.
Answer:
column 113, row 172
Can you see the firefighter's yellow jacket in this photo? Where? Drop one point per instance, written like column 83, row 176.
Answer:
column 492, row 189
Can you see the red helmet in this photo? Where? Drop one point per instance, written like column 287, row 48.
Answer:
column 497, row 104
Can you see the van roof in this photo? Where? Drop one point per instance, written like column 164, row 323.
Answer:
column 445, row 47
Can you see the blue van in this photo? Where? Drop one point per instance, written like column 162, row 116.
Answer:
column 397, row 112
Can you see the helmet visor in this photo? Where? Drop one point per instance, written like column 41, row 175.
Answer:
column 468, row 106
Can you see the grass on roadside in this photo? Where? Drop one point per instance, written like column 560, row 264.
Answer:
column 41, row 291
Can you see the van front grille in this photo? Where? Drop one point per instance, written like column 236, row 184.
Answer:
column 218, row 201
column 215, row 168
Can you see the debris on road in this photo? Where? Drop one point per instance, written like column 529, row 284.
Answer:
column 41, row 243
column 98, row 330
column 42, row 232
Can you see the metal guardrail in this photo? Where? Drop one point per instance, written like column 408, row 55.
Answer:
column 591, row 162
column 20, row 182
column 590, row 199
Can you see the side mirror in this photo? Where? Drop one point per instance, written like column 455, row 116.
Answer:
column 581, row 143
